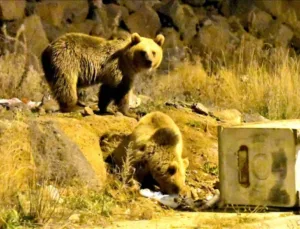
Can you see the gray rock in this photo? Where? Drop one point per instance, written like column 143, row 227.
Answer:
column 183, row 17
column 56, row 156
column 259, row 22
column 200, row 109
column 278, row 34
column 215, row 39
column 174, row 49
column 75, row 13
column 88, row 111
column 34, row 32
column 12, row 9
column 144, row 21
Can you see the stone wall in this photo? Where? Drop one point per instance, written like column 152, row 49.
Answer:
column 214, row 26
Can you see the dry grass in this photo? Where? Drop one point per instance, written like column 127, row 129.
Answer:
column 252, row 80
column 15, row 160
column 263, row 81
column 25, row 200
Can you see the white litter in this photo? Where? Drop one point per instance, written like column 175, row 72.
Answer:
column 175, row 201
column 14, row 101
column 8, row 102
column 54, row 193
column 168, row 200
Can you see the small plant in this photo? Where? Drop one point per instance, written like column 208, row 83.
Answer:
column 211, row 168
column 93, row 202
column 195, row 124
column 10, row 219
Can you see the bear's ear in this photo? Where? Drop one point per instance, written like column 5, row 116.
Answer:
column 135, row 38
column 160, row 39
column 186, row 162
column 165, row 136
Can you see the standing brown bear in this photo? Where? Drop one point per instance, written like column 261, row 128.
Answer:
column 79, row 60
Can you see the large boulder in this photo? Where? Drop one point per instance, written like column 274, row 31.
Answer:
column 239, row 9
column 34, row 32
column 213, row 38
column 108, row 18
column 75, row 13
column 259, row 22
column 116, row 13
column 174, row 50
column 51, row 12
column 12, row 9
column 288, row 11
column 144, row 21
column 56, row 148
column 183, row 18
column 58, row 13
column 278, row 34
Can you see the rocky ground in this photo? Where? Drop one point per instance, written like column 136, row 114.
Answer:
column 42, row 147
column 68, row 151
column 216, row 30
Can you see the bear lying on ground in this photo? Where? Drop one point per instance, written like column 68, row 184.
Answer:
column 79, row 60
column 154, row 150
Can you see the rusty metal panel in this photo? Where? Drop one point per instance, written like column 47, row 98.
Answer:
column 257, row 165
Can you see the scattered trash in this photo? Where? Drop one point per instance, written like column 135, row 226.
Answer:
column 168, row 200
column 54, row 194
column 176, row 201
column 211, row 201
column 15, row 101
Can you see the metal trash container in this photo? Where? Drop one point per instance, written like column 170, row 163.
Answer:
column 259, row 164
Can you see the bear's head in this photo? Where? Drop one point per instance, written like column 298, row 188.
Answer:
column 145, row 53
column 164, row 160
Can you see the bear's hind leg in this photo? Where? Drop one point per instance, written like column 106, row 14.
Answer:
column 105, row 97
column 65, row 92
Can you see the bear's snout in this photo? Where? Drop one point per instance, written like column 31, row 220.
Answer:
column 170, row 189
column 147, row 59
column 149, row 63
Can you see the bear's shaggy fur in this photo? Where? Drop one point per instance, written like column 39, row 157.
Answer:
column 154, row 150
column 79, row 60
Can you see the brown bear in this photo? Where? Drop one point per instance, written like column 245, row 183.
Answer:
column 79, row 60
column 154, row 150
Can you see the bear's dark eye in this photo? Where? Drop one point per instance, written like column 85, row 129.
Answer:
column 171, row 170
column 154, row 54
column 142, row 147
column 143, row 53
